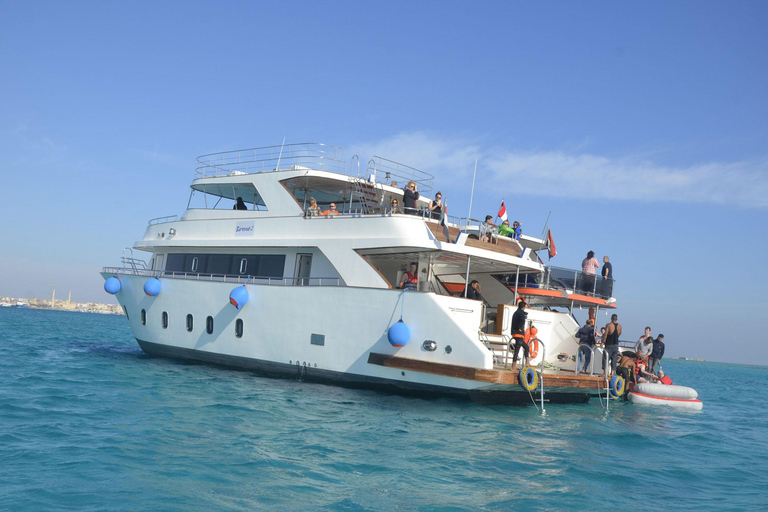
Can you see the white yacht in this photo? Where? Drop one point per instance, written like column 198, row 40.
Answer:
column 251, row 276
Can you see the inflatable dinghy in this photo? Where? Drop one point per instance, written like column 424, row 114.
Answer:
column 681, row 397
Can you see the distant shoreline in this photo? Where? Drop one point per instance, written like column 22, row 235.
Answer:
column 61, row 305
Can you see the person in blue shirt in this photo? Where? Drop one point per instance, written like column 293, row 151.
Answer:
column 473, row 292
column 518, row 230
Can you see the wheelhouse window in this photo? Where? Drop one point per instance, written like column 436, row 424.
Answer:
column 224, row 196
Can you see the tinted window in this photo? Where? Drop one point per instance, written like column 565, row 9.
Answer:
column 190, row 323
column 165, row 320
column 239, row 328
column 209, row 325
column 143, row 317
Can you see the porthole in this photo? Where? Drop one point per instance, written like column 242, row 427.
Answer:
column 239, row 328
column 190, row 323
column 209, row 325
column 143, row 317
column 194, row 264
column 243, row 265
column 165, row 319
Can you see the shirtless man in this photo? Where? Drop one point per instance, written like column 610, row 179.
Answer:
column 611, row 340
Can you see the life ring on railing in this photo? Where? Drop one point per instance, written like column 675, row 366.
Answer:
column 532, row 341
column 529, row 379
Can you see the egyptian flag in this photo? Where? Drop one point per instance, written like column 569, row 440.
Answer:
column 502, row 211
column 551, row 244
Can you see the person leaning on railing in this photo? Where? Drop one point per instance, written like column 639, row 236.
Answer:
column 395, row 206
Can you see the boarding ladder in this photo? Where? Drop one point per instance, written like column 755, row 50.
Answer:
column 369, row 194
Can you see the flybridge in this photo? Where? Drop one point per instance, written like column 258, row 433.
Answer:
column 309, row 156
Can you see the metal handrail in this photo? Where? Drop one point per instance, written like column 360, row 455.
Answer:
column 310, row 155
column 163, row 220
column 230, row 278
column 391, row 169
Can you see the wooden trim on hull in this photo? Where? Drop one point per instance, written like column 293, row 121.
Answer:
column 308, row 374
column 503, row 377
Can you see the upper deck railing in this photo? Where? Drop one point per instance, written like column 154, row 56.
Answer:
column 566, row 280
column 398, row 175
column 310, row 155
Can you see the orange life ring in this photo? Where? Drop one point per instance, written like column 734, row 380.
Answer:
column 533, row 347
column 532, row 341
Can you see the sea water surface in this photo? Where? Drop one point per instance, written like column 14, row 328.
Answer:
column 89, row 422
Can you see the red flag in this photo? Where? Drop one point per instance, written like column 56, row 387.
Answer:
column 551, row 245
column 502, row 211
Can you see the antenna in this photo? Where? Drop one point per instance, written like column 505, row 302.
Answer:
column 472, row 195
column 280, row 155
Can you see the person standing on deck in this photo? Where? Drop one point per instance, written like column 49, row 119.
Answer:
column 518, row 333
column 644, row 346
column 612, row 333
column 588, row 267
column 656, row 353
column 410, row 196
column 586, row 336
column 607, row 274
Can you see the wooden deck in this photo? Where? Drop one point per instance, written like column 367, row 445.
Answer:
column 552, row 378
column 502, row 244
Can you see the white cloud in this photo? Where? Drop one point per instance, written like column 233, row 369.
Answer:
column 579, row 174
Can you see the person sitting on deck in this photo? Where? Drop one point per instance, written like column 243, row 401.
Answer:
column 240, row 205
column 331, row 211
column 487, row 229
column 473, row 292
column 313, row 210
column 410, row 279
column 518, row 333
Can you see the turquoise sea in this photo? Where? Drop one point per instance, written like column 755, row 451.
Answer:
column 89, row 422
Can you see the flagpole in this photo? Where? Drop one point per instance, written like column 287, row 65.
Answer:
column 546, row 225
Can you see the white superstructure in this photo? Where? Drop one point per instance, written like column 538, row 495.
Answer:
column 322, row 289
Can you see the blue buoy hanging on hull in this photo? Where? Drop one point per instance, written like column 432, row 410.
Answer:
column 112, row 285
column 399, row 334
column 239, row 296
column 152, row 287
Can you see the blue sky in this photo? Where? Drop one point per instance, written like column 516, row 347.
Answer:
column 640, row 126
